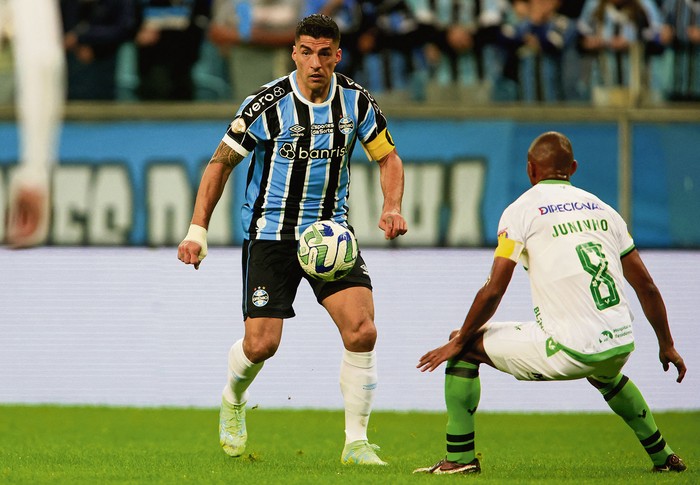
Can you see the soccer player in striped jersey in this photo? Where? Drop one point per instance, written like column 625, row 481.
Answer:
column 34, row 27
column 300, row 130
column 578, row 254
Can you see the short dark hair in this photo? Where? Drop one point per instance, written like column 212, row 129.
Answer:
column 318, row 26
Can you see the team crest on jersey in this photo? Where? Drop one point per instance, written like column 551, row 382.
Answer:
column 297, row 131
column 260, row 297
column 346, row 125
column 238, row 125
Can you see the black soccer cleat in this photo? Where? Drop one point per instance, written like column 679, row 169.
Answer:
column 673, row 464
column 444, row 467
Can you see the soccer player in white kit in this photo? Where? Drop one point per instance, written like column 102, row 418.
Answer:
column 34, row 27
column 578, row 254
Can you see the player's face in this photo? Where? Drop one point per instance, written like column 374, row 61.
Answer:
column 315, row 60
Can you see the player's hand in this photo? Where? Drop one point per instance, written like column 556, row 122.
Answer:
column 431, row 360
column 671, row 356
column 393, row 224
column 28, row 217
column 193, row 249
column 188, row 253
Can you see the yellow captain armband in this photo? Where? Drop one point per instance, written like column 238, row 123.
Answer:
column 508, row 248
column 380, row 147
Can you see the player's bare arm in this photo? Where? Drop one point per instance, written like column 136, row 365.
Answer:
column 482, row 309
column 391, row 179
column 192, row 249
column 654, row 310
column 226, row 156
column 214, row 179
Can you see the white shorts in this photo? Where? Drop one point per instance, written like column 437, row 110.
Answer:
column 520, row 349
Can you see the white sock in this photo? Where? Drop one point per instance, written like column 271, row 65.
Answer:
column 241, row 372
column 358, row 381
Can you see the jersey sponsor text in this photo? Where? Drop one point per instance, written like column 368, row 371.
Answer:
column 568, row 207
column 291, row 152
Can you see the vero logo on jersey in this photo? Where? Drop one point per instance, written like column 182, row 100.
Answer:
column 263, row 100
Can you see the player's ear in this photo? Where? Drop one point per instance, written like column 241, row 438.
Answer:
column 574, row 166
column 338, row 55
column 531, row 171
column 294, row 52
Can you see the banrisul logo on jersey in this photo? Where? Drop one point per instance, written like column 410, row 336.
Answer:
column 291, row 152
column 346, row 125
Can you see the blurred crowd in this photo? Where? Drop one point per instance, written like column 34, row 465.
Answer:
column 540, row 51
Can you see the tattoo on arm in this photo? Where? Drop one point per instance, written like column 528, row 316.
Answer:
column 225, row 155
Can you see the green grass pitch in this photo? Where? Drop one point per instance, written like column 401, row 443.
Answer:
column 96, row 445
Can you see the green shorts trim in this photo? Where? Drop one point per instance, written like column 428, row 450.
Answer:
column 601, row 356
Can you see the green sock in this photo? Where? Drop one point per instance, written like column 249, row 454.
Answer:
column 462, row 393
column 627, row 401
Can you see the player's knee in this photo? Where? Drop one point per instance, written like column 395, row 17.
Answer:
column 474, row 351
column 260, row 350
column 362, row 338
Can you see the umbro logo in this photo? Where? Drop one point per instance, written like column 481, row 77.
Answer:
column 297, row 131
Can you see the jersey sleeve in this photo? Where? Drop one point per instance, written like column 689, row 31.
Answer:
column 511, row 241
column 380, row 146
column 624, row 240
column 248, row 127
column 240, row 137
column 372, row 131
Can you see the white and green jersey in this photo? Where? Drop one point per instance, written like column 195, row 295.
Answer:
column 571, row 242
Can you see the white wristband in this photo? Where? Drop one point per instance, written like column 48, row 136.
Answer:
column 199, row 235
column 31, row 176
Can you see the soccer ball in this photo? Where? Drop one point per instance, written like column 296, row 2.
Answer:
column 327, row 251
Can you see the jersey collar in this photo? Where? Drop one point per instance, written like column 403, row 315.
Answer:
column 295, row 88
column 554, row 182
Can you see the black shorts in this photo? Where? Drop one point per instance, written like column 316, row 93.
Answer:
column 271, row 277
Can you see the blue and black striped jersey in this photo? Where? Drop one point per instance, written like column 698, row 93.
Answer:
column 299, row 172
